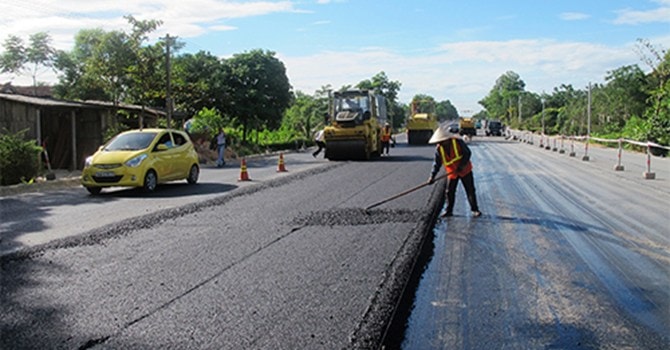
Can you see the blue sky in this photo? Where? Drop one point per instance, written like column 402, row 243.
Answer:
column 451, row 50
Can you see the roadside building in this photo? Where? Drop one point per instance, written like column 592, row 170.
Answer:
column 70, row 130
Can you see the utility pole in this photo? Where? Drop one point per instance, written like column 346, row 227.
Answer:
column 542, row 99
column 168, row 92
column 519, row 103
column 588, row 127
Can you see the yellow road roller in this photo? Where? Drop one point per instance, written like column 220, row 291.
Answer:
column 355, row 121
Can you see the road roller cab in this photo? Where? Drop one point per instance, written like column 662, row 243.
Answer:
column 356, row 118
column 422, row 122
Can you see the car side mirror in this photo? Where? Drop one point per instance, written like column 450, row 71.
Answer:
column 162, row 147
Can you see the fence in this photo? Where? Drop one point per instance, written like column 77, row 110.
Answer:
column 545, row 141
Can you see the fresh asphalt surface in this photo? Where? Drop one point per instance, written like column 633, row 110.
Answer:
column 289, row 262
column 568, row 254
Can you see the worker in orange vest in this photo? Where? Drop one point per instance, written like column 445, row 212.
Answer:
column 386, row 138
column 454, row 154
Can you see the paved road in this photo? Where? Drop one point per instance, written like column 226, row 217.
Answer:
column 292, row 262
column 564, row 257
column 34, row 219
column 568, row 255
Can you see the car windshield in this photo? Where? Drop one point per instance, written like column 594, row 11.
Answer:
column 131, row 142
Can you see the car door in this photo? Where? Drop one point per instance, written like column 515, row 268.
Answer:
column 163, row 158
column 181, row 160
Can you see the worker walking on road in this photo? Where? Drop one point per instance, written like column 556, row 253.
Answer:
column 319, row 140
column 454, row 154
column 386, row 138
column 221, row 148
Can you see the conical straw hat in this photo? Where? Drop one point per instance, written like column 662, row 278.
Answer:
column 442, row 133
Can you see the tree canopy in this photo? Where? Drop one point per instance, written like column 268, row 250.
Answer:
column 34, row 58
column 257, row 88
column 251, row 90
column 629, row 104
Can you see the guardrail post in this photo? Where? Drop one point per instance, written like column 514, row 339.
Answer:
column 546, row 145
column 555, row 148
column 618, row 166
column 572, row 147
column 648, row 174
column 562, row 150
column 586, row 150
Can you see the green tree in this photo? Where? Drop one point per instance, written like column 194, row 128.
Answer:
column 115, row 62
column 74, row 83
column 306, row 114
column 13, row 58
column 207, row 120
column 446, row 111
column 575, row 114
column 146, row 72
column 381, row 84
column 35, row 58
column 114, row 66
column 502, row 100
column 658, row 105
column 622, row 97
column 109, row 62
column 258, row 88
column 425, row 102
column 198, row 82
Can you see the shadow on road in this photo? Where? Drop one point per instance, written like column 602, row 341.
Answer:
column 169, row 190
column 28, row 214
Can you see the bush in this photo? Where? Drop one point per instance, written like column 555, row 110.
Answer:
column 19, row 159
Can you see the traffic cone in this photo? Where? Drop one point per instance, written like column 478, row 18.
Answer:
column 280, row 166
column 244, row 176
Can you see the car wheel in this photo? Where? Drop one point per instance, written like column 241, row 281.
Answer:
column 150, row 181
column 94, row 190
column 193, row 175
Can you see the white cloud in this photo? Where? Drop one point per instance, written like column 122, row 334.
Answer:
column 463, row 72
column 64, row 18
column 574, row 16
column 660, row 14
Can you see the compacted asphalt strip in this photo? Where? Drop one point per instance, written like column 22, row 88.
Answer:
column 46, row 211
column 249, row 265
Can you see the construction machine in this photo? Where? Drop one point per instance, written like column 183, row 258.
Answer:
column 355, row 121
column 466, row 126
column 422, row 122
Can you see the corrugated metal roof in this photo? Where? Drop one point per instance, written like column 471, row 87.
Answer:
column 37, row 101
column 48, row 102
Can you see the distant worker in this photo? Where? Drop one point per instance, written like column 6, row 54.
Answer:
column 386, row 138
column 454, row 154
column 319, row 140
column 221, row 147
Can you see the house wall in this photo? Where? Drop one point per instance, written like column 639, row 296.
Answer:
column 56, row 129
column 90, row 126
column 15, row 117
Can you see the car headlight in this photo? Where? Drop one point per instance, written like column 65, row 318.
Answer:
column 88, row 161
column 135, row 162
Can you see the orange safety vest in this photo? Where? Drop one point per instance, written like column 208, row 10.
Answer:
column 452, row 161
column 386, row 134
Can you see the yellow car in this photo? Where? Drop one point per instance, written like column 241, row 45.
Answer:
column 142, row 158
